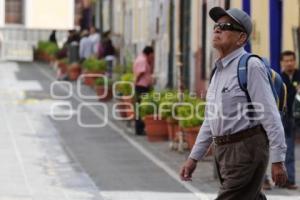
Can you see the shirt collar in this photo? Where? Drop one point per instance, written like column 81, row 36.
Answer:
column 230, row 57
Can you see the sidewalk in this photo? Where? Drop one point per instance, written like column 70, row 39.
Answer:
column 35, row 164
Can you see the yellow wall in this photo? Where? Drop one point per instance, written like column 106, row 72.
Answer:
column 260, row 32
column 236, row 4
column 195, row 25
column 260, row 16
column 54, row 14
column 290, row 20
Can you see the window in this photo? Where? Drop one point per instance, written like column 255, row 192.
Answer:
column 14, row 12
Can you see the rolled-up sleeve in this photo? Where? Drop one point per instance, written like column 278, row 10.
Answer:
column 260, row 92
column 204, row 139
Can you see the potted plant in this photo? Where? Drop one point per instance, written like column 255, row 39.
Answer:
column 166, row 106
column 92, row 68
column 191, row 118
column 125, row 90
column 51, row 51
column 102, row 86
column 155, row 126
column 62, row 66
column 40, row 52
column 46, row 51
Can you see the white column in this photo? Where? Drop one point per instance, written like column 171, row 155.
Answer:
column 2, row 13
column 72, row 14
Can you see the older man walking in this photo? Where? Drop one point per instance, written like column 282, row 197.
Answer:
column 241, row 144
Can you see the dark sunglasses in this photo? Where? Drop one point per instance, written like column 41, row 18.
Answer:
column 228, row 27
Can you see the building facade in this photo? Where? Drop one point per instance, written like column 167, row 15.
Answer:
column 181, row 32
column 33, row 14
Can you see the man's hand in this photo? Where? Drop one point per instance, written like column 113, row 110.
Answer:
column 279, row 174
column 187, row 169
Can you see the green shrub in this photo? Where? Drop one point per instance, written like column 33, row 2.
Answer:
column 194, row 114
column 101, row 81
column 89, row 63
column 64, row 60
column 47, row 47
column 149, row 105
column 52, row 49
column 42, row 45
column 159, row 103
column 162, row 104
column 126, row 88
column 168, row 99
column 101, row 65
column 93, row 64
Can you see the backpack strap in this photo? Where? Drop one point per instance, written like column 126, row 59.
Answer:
column 242, row 72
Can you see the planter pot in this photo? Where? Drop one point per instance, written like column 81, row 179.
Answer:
column 90, row 77
column 173, row 128
column 100, row 90
column 190, row 135
column 44, row 57
column 74, row 72
column 48, row 58
column 51, row 58
column 156, row 129
column 63, row 67
column 122, row 113
column 130, row 109
column 38, row 55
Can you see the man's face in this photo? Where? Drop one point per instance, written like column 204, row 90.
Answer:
column 92, row 30
column 150, row 58
column 223, row 39
column 288, row 63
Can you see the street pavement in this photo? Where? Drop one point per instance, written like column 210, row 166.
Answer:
column 53, row 147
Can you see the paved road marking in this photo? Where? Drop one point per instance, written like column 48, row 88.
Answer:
column 115, row 195
column 40, row 169
column 199, row 194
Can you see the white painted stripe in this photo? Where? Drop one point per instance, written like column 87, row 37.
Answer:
column 18, row 156
column 62, row 141
column 117, row 195
column 15, row 135
column 147, row 195
column 199, row 194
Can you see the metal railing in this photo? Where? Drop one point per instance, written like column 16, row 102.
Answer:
column 18, row 43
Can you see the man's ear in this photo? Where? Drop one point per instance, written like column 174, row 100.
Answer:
column 243, row 38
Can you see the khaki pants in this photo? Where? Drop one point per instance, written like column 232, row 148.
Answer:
column 241, row 167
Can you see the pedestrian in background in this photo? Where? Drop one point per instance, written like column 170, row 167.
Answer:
column 143, row 81
column 95, row 39
column 52, row 37
column 85, row 46
column 109, row 53
column 241, row 144
column 291, row 77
